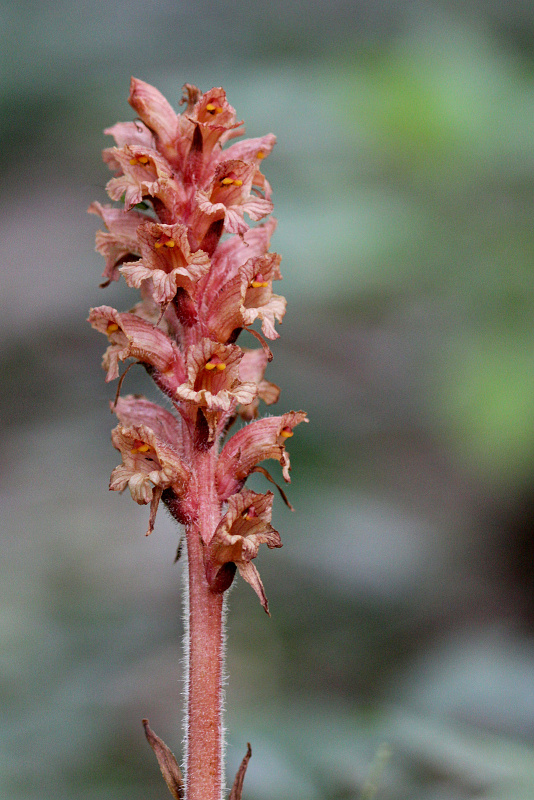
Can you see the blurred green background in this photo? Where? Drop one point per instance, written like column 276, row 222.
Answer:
column 403, row 598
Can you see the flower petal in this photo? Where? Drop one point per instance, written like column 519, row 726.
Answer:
column 155, row 111
column 120, row 240
column 133, row 410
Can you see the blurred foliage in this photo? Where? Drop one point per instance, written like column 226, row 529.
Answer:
column 443, row 121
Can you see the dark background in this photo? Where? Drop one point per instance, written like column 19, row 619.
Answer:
column 402, row 601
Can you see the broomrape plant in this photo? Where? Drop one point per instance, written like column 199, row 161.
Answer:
column 181, row 236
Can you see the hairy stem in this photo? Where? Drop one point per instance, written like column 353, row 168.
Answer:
column 204, row 775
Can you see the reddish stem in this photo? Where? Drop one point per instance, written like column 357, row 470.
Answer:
column 204, row 779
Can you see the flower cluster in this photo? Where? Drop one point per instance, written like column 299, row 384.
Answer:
column 183, row 236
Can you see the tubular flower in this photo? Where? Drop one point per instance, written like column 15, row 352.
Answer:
column 166, row 260
column 256, row 442
column 237, row 538
column 149, row 466
column 230, row 196
column 213, row 382
column 182, row 232
column 133, row 337
column 248, row 297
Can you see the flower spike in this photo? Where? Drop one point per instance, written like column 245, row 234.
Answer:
column 190, row 229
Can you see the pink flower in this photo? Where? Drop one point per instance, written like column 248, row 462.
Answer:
column 143, row 173
column 158, row 116
column 231, row 254
column 167, row 261
column 252, row 368
column 254, row 151
column 213, row 383
column 230, row 197
column 133, row 337
column 149, row 465
column 215, row 119
column 247, row 297
column 261, row 439
column 236, row 541
column 135, row 410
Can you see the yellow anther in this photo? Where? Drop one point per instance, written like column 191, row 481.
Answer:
column 143, row 159
column 133, row 162
column 112, row 327
column 238, row 182
column 227, row 181
column 139, row 447
column 213, row 109
column 210, row 107
column 260, row 154
column 164, row 243
column 286, row 433
column 259, row 284
column 215, row 363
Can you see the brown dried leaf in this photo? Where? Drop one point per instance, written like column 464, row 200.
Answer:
column 167, row 763
column 237, row 788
